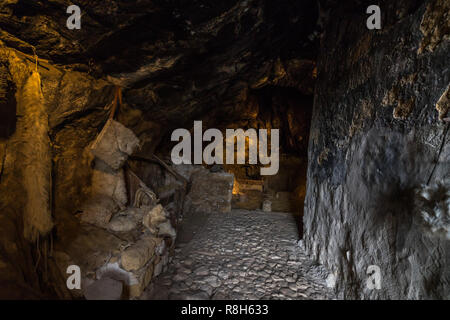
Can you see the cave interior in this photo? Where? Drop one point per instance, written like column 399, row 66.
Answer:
column 87, row 173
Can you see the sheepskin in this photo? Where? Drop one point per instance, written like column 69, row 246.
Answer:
column 432, row 209
column 114, row 144
column 36, row 156
column 109, row 195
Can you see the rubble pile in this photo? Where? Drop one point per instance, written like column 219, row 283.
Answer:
column 126, row 236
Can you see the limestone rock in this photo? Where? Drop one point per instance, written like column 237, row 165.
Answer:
column 360, row 197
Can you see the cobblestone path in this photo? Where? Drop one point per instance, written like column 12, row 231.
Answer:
column 242, row 255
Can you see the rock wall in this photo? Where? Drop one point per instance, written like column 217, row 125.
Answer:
column 210, row 191
column 376, row 136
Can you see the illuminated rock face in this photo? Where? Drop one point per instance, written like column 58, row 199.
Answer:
column 364, row 162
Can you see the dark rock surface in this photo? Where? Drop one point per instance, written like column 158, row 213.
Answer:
column 173, row 56
column 375, row 136
column 177, row 61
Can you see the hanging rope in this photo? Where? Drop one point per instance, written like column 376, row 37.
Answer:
column 117, row 101
column 35, row 58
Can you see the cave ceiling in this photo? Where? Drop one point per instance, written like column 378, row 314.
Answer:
column 177, row 60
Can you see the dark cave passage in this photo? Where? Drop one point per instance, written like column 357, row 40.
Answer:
column 247, row 149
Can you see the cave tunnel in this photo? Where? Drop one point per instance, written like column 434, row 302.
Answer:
column 238, row 150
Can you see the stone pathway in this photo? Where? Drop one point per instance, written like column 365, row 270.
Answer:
column 242, row 255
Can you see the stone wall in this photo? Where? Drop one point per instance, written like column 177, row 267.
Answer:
column 210, row 191
column 376, row 136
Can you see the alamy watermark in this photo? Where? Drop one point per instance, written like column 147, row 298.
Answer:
column 74, row 21
column 374, row 20
column 214, row 151
column 74, row 280
column 374, row 277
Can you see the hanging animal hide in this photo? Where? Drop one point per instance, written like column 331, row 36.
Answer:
column 432, row 209
column 36, row 154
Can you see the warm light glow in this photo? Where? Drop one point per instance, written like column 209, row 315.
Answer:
column 235, row 187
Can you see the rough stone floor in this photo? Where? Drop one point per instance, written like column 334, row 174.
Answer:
column 240, row 255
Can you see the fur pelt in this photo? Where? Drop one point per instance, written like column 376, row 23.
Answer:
column 432, row 209
column 35, row 152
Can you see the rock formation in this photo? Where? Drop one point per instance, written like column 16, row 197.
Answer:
column 367, row 153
